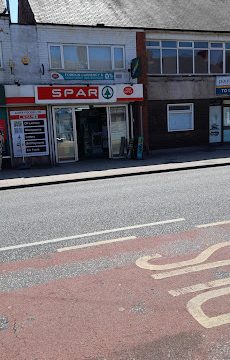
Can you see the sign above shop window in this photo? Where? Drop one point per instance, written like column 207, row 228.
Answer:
column 223, row 85
column 88, row 76
column 75, row 94
column 83, row 94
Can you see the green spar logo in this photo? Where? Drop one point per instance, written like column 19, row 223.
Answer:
column 107, row 92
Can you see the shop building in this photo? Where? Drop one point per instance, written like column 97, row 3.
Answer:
column 63, row 123
column 187, row 67
column 74, row 97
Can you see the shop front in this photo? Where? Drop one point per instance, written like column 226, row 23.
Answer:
column 89, row 121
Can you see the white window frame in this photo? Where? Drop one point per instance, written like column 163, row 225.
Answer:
column 177, row 48
column 112, row 47
column 191, row 105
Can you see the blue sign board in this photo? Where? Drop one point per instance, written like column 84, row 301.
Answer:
column 89, row 76
column 223, row 91
column 223, row 85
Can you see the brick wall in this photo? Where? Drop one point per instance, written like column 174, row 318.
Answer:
column 25, row 14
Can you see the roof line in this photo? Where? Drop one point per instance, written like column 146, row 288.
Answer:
column 132, row 28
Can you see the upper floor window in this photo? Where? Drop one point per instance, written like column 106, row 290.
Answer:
column 188, row 57
column 86, row 57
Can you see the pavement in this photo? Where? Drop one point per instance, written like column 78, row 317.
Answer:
column 157, row 161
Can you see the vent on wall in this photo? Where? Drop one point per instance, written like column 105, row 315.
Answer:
column 118, row 76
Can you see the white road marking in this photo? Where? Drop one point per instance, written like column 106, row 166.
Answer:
column 194, row 308
column 53, row 241
column 204, row 255
column 97, row 243
column 200, row 287
column 213, row 224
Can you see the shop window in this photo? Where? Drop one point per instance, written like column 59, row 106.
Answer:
column 180, row 117
column 86, row 57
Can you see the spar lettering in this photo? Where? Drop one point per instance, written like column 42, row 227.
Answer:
column 77, row 93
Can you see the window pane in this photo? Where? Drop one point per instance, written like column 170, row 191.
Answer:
column 75, row 57
column 185, row 61
column 100, row 58
column 55, row 57
column 118, row 58
column 169, row 61
column 216, row 61
column 201, row 44
column 226, row 116
column 154, row 66
column 216, row 45
column 201, row 61
column 227, row 45
column 169, row 44
column 185, row 44
column 180, row 121
column 152, row 43
column 227, row 60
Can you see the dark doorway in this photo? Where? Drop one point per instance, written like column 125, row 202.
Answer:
column 92, row 133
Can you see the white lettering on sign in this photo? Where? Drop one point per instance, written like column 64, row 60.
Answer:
column 56, row 93
column 190, row 266
column 68, row 92
column 93, row 92
column 80, row 93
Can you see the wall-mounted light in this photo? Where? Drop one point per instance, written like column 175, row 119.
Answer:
column 25, row 60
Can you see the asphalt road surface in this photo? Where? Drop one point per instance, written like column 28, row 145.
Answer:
column 133, row 268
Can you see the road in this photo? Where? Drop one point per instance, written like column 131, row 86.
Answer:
column 117, row 269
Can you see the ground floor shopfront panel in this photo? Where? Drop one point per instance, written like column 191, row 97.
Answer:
column 58, row 124
column 188, row 122
column 88, row 132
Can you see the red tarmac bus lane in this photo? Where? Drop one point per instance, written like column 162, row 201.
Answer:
column 202, row 237
column 124, row 312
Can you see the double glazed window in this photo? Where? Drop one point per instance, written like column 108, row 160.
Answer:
column 180, row 117
column 86, row 57
column 188, row 57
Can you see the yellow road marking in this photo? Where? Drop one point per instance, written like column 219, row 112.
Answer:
column 143, row 261
column 200, row 287
column 194, row 308
column 213, row 224
column 191, row 269
column 204, row 255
